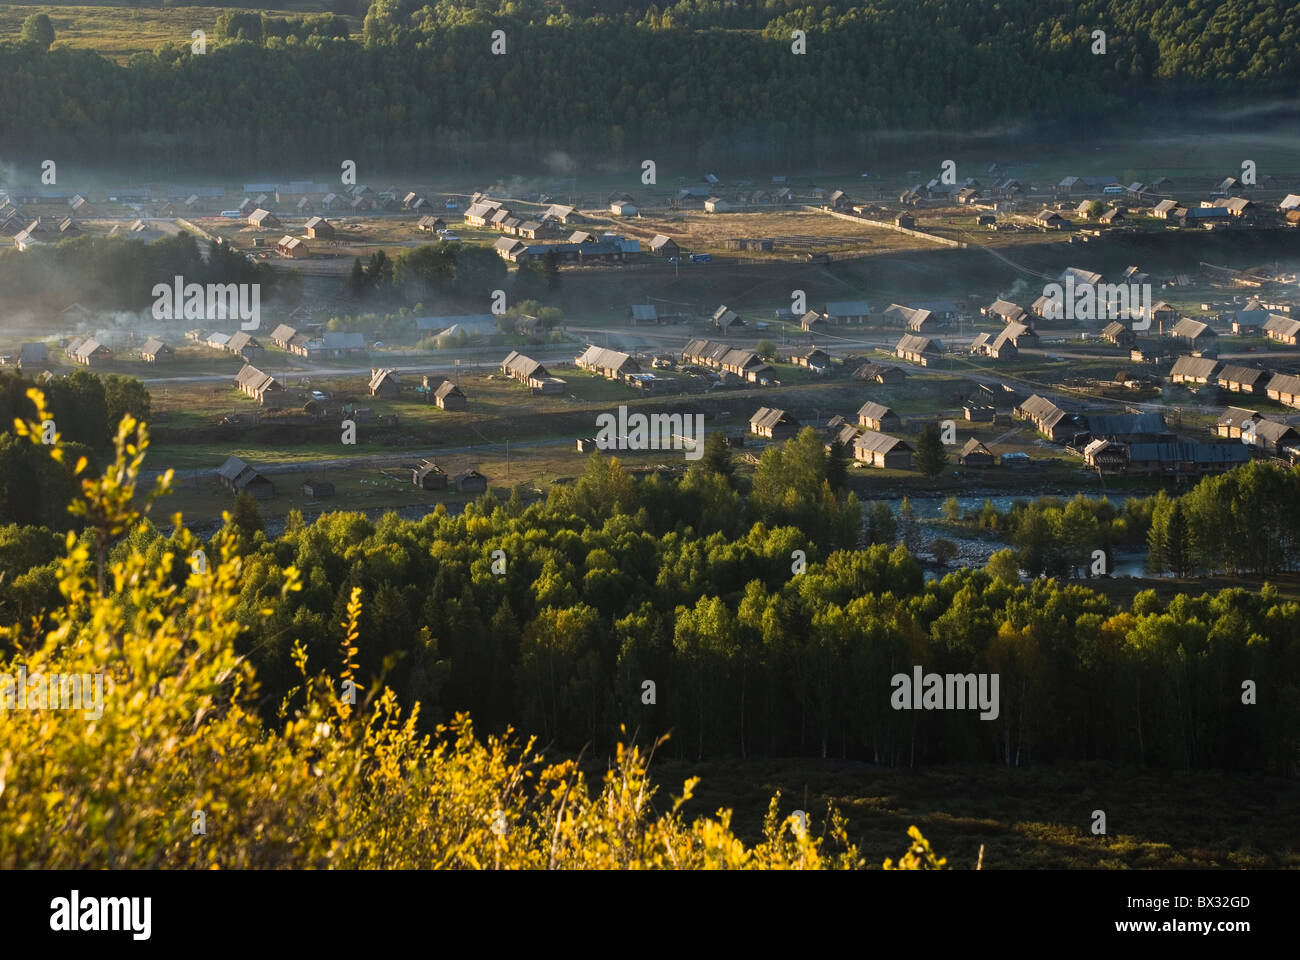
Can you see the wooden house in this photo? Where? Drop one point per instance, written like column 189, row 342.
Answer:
column 92, row 353
column 662, row 246
column 263, row 219
column 245, row 346
column 384, row 382
column 449, row 396
column 1236, row 421
column 531, row 373
column 317, row 489
column 1285, row 389
column 318, row 228
column 470, row 481
column 878, row 417
column 975, row 454
column 1238, row 378
column 1282, row 329
column 773, row 424
column 1197, row 370
column 1119, row 334
column 610, row 364
column 262, row 387
column 238, row 477
column 293, row 248
column 918, row 349
column 155, row 350
column 427, row 475
column 882, row 451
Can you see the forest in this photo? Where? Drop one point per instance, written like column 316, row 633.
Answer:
column 698, row 81
column 119, row 273
column 762, row 626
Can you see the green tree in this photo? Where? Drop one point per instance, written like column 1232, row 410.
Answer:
column 908, row 528
column 882, row 527
column 357, row 278
column 930, row 454
column 246, row 517
column 943, row 550
column 717, row 455
column 837, row 466
column 38, row 30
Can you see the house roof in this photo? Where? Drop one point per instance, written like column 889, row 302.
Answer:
column 910, row 343
column 1237, row 416
column 448, row 389
column 254, row 379
column 724, row 316
column 343, row 341
column 606, row 359
column 284, row 332
column 1282, row 326
column 1113, row 329
column 152, row 345
column 1121, row 424
column 847, row 308
column 1007, row 310
column 1185, row 451
column 766, row 417
column 1284, row 383
column 522, row 366
column 1189, row 328
column 89, row 347
column 1239, row 373
column 241, row 340
column 1080, row 276
column 1164, row 206
column 1274, row 431
column 874, row 411
column 379, row 376
column 912, row 316
column 974, row 446
column 879, row 442
column 1199, row 367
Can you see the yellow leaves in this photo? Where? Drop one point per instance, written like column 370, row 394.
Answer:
column 919, row 856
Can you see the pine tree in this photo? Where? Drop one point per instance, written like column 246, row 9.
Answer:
column 717, row 455
column 837, row 467
column 930, row 454
column 357, row 278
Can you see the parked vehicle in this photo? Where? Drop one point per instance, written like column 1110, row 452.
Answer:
column 701, row 258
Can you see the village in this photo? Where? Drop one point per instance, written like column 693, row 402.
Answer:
column 1200, row 376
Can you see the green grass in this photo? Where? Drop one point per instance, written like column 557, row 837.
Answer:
column 117, row 31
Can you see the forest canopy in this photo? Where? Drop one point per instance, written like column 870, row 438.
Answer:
column 704, row 80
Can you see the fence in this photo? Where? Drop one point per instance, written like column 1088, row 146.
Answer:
column 892, row 226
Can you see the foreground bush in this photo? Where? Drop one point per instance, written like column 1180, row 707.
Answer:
column 179, row 770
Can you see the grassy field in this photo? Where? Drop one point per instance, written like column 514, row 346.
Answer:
column 116, row 31
column 1034, row 818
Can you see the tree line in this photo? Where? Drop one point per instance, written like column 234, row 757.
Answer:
column 698, row 82
column 119, row 273
column 764, row 625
